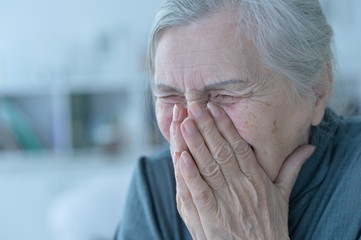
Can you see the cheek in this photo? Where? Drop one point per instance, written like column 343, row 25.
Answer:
column 245, row 122
column 164, row 113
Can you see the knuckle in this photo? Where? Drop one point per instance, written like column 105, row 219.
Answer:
column 184, row 199
column 210, row 170
column 178, row 179
column 241, row 148
column 204, row 196
column 223, row 153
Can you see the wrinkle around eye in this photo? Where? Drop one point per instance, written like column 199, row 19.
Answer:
column 225, row 99
column 171, row 99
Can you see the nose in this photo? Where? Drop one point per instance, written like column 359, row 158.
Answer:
column 196, row 96
column 202, row 102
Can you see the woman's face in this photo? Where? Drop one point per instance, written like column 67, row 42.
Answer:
column 206, row 62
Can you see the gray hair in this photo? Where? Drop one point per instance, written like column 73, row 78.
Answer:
column 292, row 37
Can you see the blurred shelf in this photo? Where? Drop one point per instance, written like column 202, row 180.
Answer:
column 64, row 119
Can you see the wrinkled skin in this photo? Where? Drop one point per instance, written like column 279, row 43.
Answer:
column 222, row 192
column 238, row 138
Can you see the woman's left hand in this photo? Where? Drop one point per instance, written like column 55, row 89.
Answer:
column 222, row 192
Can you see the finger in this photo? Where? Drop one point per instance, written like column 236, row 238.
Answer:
column 242, row 150
column 185, row 204
column 208, row 168
column 201, row 193
column 177, row 143
column 291, row 167
column 219, row 148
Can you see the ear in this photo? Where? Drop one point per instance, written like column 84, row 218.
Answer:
column 326, row 75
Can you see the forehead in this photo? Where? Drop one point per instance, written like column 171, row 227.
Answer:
column 204, row 52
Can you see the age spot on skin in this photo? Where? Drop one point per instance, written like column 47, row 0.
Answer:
column 274, row 130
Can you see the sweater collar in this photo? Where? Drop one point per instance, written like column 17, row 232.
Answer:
column 315, row 168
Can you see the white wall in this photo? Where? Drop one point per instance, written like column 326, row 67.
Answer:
column 42, row 37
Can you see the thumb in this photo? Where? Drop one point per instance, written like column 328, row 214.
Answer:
column 291, row 167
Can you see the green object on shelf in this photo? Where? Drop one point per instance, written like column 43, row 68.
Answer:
column 80, row 120
column 20, row 127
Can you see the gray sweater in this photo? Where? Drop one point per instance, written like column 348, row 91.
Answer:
column 325, row 202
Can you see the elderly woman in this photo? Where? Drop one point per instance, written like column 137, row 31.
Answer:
column 241, row 89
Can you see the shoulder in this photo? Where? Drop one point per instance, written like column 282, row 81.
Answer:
column 338, row 139
column 351, row 128
column 159, row 162
column 339, row 142
column 150, row 202
column 157, row 173
column 160, row 156
column 349, row 138
column 347, row 154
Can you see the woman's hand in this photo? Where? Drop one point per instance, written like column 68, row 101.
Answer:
column 222, row 192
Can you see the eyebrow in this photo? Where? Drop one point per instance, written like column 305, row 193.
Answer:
column 224, row 83
column 166, row 88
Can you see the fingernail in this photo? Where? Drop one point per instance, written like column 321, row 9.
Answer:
column 176, row 136
column 176, row 156
column 196, row 110
column 214, row 110
column 189, row 126
column 186, row 159
column 176, row 113
column 172, row 130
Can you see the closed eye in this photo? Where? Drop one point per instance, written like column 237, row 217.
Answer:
column 171, row 98
column 224, row 98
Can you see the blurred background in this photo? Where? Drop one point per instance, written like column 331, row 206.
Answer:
column 75, row 111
